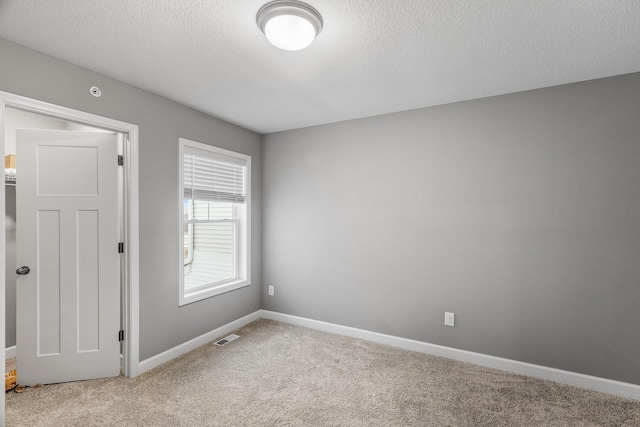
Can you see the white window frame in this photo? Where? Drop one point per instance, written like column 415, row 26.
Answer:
column 243, row 229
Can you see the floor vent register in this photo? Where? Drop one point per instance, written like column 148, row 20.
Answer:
column 227, row 340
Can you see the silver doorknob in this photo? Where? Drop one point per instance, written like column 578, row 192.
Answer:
column 23, row 270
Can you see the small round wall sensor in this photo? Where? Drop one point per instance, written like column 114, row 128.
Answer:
column 95, row 91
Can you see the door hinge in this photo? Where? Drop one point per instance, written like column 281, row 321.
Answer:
column 120, row 160
column 121, row 247
column 121, row 336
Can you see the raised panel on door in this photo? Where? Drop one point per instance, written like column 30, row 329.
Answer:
column 48, row 282
column 88, row 302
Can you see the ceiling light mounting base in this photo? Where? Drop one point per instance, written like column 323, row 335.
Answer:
column 289, row 24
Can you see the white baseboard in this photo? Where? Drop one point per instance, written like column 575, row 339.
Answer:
column 10, row 352
column 196, row 342
column 536, row 371
column 565, row 377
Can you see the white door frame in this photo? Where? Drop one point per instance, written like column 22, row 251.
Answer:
column 131, row 234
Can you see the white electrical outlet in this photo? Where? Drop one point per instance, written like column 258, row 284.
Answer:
column 272, row 290
column 449, row 319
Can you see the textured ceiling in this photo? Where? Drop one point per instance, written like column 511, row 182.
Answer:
column 372, row 56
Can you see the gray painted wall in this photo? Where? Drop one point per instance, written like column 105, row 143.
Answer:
column 520, row 213
column 163, row 324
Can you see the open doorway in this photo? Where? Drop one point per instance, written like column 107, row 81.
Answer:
column 130, row 258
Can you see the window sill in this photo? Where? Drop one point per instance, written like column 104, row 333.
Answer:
column 210, row 291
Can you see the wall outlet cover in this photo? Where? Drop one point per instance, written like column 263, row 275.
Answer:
column 449, row 319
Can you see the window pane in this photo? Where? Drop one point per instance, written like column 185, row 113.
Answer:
column 213, row 254
column 206, row 211
column 188, row 209
column 187, row 243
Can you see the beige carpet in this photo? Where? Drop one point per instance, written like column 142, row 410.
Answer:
column 282, row 375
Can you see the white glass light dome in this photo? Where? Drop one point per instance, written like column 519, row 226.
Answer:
column 289, row 25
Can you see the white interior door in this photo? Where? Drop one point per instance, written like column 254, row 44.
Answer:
column 68, row 305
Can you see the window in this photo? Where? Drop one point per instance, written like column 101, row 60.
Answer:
column 215, row 205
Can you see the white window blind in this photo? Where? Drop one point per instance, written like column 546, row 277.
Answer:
column 213, row 178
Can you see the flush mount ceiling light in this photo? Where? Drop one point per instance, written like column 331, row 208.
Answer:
column 289, row 25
